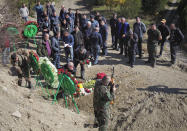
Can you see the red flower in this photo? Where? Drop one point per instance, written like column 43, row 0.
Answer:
column 76, row 82
column 87, row 61
column 66, row 71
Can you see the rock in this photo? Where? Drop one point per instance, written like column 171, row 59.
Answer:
column 31, row 100
column 17, row 114
column 4, row 89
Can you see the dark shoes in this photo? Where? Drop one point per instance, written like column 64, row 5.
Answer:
column 147, row 62
column 19, row 82
column 159, row 56
column 30, row 85
column 153, row 65
column 173, row 62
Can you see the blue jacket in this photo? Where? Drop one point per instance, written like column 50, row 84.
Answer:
column 96, row 39
column 72, row 15
column 55, row 45
column 39, row 10
column 55, row 20
column 68, row 40
column 104, row 32
column 95, row 24
column 84, row 23
column 125, row 28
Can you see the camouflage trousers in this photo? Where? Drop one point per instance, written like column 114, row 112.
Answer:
column 102, row 117
column 23, row 72
column 152, row 51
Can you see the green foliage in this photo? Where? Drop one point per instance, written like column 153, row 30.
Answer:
column 153, row 6
column 99, row 2
column 130, row 8
column 182, row 10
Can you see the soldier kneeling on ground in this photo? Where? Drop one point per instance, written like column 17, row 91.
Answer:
column 103, row 95
column 20, row 61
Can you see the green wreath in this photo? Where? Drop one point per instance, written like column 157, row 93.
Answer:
column 67, row 84
column 47, row 73
column 30, row 31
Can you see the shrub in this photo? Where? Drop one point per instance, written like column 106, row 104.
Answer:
column 131, row 8
column 153, row 6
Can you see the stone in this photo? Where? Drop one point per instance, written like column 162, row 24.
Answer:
column 31, row 100
column 17, row 114
column 4, row 89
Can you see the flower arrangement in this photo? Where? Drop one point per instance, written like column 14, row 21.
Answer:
column 62, row 71
column 49, row 72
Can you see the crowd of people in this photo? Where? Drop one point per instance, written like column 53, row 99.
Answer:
column 84, row 38
column 76, row 31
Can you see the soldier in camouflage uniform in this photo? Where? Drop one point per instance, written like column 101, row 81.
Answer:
column 103, row 94
column 20, row 60
column 154, row 36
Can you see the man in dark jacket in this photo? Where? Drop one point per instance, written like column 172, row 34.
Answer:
column 55, row 23
column 123, row 37
column 132, row 46
column 176, row 37
column 56, row 50
column 80, row 57
column 78, row 38
column 68, row 41
column 104, row 33
column 94, row 22
column 117, row 35
column 44, row 49
column 139, row 28
column 96, row 42
column 50, row 9
column 78, row 18
column 65, row 26
column 164, row 29
column 87, row 33
column 83, row 22
column 154, row 36
column 62, row 13
column 39, row 11
column 46, row 26
column 113, row 25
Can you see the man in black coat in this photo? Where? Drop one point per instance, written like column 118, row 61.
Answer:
column 164, row 30
column 78, row 38
column 176, row 37
column 81, row 56
column 132, row 46
column 56, row 50
column 113, row 25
